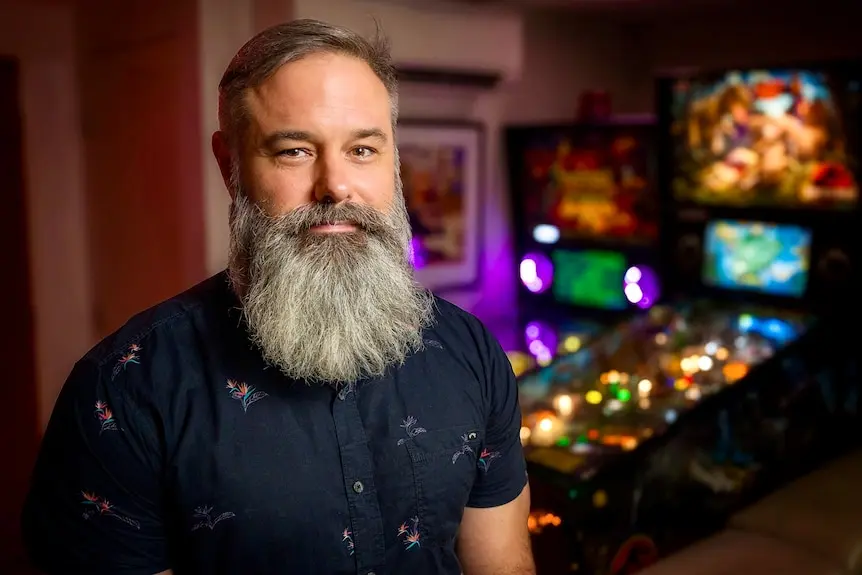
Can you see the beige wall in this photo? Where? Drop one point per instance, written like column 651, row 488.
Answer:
column 140, row 101
column 43, row 39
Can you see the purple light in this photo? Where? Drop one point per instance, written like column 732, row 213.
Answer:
column 541, row 339
column 641, row 286
column 417, row 253
column 537, row 272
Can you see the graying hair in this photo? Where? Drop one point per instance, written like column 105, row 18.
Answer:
column 263, row 55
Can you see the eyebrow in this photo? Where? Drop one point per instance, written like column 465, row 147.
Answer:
column 301, row 136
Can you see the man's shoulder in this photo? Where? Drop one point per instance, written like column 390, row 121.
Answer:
column 461, row 328
column 167, row 318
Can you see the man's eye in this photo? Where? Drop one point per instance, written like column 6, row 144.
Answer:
column 293, row 153
column 363, row 152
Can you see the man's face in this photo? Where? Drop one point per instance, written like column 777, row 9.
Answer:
column 319, row 130
column 319, row 229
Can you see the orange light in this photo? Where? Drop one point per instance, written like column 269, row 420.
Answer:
column 539, row 520
column 734, row 371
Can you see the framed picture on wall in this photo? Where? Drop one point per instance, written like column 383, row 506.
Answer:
column 441, row 167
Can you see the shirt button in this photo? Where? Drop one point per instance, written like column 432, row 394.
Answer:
column 359, row 488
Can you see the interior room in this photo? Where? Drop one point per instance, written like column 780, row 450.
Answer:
column 652, row 205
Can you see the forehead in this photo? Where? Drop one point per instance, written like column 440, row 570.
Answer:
column 321, row 92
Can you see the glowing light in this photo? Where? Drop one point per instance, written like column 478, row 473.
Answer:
column 693, row 393
column 734, row 371
column 572, row 344
column 628, row 443
column 525, row 435
column 546, row 234
column 624, row 395
column 600, row 498
column 536, row 272
column 722, row 354
column 546, row 424
column 537, row 521
column 644, row 387
column 564, row 404
column 704, row 363
column 641, row 286
column 593, row 397
column 633, row 293
column 661, row 338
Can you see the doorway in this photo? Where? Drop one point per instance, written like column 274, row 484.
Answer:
column 19, row 423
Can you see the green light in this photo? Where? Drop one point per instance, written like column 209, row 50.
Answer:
column 573, row 493
column 624, row 395
column 564, row 441
column 582, row 439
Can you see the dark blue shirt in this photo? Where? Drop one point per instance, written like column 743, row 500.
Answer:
column 173, row 446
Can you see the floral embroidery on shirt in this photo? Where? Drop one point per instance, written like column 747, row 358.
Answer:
column 346, row 390
column 106, row 417
column 347, row 538
column 132, row 355
column 99, row 506
column 408, row 425
column 433, row 343
column 485, row 459
column 204, row 513
column 244, row 393
column 409, row 531
column 463, row 450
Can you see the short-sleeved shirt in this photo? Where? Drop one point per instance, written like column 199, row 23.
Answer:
column 174, row 446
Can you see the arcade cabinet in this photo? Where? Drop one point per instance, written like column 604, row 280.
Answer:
column 657, row 431
column 585, row 212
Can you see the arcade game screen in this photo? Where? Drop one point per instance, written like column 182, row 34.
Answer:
column 769, row 138
column 589, row 278
column 768, row 258
column 589, row 182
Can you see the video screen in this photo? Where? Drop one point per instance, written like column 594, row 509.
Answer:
column 590, row 182
column 762, row 138
column 589, row 278
column 768, row 258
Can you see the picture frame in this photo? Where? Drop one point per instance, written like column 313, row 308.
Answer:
column 442, row 165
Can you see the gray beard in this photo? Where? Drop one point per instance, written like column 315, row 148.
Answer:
column 328, row 308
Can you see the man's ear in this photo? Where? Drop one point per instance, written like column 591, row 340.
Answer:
column 224, row 159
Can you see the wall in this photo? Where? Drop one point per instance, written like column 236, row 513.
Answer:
column 140, row 98
column 42, row 37
column 566, row 54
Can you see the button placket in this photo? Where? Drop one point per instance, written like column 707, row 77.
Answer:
column 366, row 521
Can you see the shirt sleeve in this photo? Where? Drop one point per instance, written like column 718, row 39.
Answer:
column 501, row 469
column 95, row 501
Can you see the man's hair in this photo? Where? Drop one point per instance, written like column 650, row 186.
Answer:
column 268, row 51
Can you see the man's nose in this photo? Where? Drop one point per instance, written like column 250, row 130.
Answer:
column 333, row 181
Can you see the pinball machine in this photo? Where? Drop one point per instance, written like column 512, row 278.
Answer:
column 586, row 215
column 739, row 379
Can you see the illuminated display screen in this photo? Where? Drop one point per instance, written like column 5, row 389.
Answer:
column 768, row 138
column 588, row 182
column 590, row 278
column 767, row 258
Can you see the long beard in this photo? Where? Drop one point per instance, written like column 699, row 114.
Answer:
column 329, row 308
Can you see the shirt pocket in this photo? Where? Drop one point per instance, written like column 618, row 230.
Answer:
column 444, row 469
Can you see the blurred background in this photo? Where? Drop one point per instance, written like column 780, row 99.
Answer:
column 653, row 204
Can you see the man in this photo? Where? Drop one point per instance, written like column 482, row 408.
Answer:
column 312, row 410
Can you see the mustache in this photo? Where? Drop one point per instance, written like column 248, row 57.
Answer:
column 300, row 220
